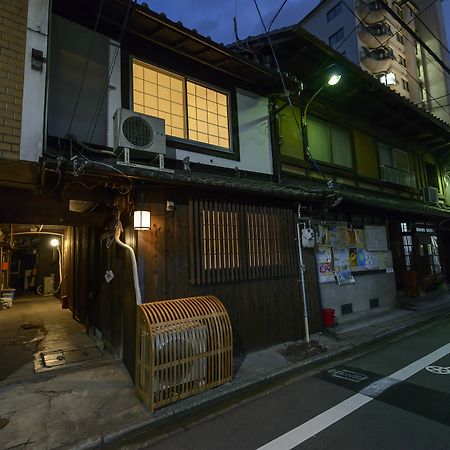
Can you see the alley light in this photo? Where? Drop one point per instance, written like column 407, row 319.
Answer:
column 142, row 220
column 54, row 242
column 334, row 79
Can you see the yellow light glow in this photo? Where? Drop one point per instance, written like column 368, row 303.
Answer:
column 142, row 220
column 54, row 242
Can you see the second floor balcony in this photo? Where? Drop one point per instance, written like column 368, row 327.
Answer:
column 397, row 176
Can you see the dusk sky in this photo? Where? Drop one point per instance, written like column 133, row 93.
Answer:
column 215, row 17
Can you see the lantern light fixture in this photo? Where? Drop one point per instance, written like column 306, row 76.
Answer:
column 142, row 220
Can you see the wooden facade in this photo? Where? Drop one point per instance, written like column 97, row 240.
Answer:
column 264, row 310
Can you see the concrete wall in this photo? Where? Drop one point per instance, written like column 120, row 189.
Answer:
column 317, row 24
column 366, row 287
column 34, row 89
column 437, row 83
column 13, row 32
column 69, row 48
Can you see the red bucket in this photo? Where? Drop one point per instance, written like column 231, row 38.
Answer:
column 328, row 317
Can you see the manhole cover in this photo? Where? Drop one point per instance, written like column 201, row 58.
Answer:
column 52, row 359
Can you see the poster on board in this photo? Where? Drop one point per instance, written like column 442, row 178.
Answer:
column 338, row 236
column 324, row 265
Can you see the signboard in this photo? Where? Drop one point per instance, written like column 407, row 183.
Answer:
column 376, row 238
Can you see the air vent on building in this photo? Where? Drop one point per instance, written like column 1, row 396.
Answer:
column 347, row 308
column 374, row 302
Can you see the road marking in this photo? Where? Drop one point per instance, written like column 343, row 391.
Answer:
column 439, row 370
column 324, row 420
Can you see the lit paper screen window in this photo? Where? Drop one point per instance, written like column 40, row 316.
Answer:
column 160, row 94
column 207, row 115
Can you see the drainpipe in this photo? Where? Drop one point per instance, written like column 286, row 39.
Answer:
column 302, row 274
column 137, row 289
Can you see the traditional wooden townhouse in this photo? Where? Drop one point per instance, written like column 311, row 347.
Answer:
column 127, row 116
column 389, row 234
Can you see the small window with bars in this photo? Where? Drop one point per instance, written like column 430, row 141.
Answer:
column 238, row 241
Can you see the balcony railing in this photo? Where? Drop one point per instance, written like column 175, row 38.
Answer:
column 398, row 176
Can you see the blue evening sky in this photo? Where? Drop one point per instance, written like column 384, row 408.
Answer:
column 215, row 17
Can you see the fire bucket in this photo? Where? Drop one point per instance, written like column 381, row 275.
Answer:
column 328, row 317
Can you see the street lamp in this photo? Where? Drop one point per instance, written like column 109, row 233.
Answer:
column 332, row 79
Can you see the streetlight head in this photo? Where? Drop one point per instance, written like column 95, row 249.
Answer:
column 54, row 242
column 334, row 79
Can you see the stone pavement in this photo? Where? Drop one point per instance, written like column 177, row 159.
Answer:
column 95, row 404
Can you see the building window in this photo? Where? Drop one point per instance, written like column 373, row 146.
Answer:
column 329, row 143
column 405, row 85
column 407, row 250
column 388, row 79
column 432, row 175
column 238, row 241
column 336, row 37
column 433, row 255
column 399, row 10
column 190, row 110
column 394, row 166
column 399, row 37
column 333, row 12
column 402, row 60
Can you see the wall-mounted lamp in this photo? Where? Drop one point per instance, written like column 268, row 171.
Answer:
column 54, row 242
column 142, row 220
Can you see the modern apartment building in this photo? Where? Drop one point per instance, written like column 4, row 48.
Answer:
column 376, row 35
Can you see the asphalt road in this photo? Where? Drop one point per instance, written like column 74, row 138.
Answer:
column 396, row 397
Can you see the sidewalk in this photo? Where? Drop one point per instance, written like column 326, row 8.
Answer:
column 86, row 406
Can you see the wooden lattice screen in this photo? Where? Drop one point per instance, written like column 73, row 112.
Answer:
column 183, row 347
column 238, row 241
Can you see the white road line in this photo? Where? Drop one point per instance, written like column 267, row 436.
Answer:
column 319, row 423
column 324, row 420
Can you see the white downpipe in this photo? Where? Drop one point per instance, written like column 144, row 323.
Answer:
column 137, row 289
column 302, row 274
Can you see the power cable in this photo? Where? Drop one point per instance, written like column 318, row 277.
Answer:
column 88, row 58
column 413, row 33
column 413, row 43
column 94, row 121
column 287, row 93
column 276, row 15
column 407, row 71
column 432, row 33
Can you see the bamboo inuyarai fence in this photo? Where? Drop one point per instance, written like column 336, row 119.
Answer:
column 183, row 347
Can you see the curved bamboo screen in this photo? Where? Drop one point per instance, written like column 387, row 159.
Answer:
column 183, row 347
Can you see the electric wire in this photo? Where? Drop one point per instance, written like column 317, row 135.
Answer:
column 109, row 166
column 411, row 32
column 413, row 43
column 86, row 65
column 432, row 34
column 95, row 118
column 287, row 94
column 407, row 71
column 276, row 15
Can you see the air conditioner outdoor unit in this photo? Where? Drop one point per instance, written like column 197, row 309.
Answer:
column 430, row 194
column 139, row 133
column 181, row 357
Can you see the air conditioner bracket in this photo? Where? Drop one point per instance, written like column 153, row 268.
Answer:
column 127, row 162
